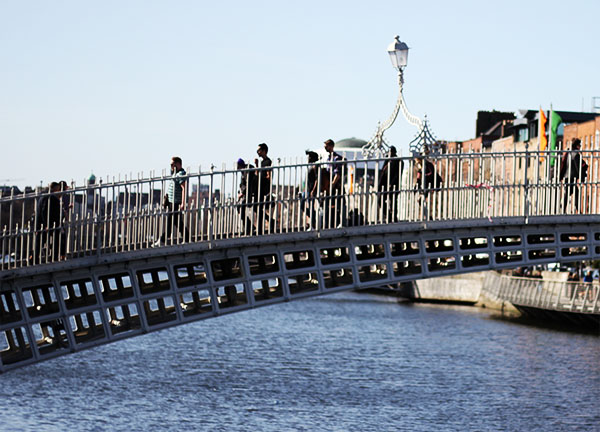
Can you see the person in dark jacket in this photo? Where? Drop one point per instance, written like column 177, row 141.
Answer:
column 573, row 171
column 389, row 185
column 427, row 177
column 174, row 203
column 335, row 203
column 265, row 205
column 309, row 202
column 49, row 239
column 246, row 194
column 428, row 180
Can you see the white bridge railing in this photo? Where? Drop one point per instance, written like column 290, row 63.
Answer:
column 549, row 294
column 116, row 216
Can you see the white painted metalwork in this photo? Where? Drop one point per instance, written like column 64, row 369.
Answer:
column 485, row 211
column 562, row 296
column 126, row 216
column 51, row 310
column 377, row 146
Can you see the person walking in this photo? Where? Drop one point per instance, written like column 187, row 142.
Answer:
column 174, row 203
column 309, row 202
column 428, row 180
column 389, row 185
column 573, row 172
column 264, row 200
column 49, row 240
column 246, row 194
column 334, row 203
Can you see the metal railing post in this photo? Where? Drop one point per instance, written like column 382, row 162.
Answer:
column 210, row 204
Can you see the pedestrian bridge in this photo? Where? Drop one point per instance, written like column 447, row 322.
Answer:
column 99, row 274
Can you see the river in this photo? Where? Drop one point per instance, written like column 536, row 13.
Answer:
column 346, row 362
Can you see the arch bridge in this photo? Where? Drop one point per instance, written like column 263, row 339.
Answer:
column 101, row 272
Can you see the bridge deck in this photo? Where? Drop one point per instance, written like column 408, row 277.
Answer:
column 95, row 279
column 62, row 307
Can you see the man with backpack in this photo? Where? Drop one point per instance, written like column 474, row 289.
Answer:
column 573, row 171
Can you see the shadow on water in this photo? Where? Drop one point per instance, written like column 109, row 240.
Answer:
column 370, row 299
column 561, row 326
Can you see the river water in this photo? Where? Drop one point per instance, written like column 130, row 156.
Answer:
column 346, row 362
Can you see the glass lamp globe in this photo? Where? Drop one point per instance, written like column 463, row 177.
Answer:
column 398, row 52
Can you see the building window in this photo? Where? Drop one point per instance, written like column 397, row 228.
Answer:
column 523, row 135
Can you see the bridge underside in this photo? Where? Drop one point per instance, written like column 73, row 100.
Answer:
column 51, row 310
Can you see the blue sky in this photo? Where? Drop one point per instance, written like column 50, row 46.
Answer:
column 121, row 86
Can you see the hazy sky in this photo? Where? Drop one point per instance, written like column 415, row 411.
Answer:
column 121, row 86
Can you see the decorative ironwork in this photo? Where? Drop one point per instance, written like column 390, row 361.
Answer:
column 377, row 146
column 425, row 141
column 126, row 216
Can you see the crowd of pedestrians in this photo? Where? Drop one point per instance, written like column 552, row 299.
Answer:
column 256, row 201
column 323, row 197
column 328, row 180
column 323, row 201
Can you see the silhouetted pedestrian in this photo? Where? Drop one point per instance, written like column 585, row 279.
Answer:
column 573, row 172
column 246, row 194
column 48, row 226
column 264, row 204
column 174, row 203
column 334, row 203
column 428, row 180
column 309, row 201
column 389, row 185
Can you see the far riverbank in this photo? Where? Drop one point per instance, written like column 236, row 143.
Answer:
column 549, row 299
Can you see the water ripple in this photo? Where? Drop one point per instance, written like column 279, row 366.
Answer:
column 348, row 362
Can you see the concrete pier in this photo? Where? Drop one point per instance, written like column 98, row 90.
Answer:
column 550, row 297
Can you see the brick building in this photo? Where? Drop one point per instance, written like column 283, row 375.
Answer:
column 588, row 132
column 510, row 133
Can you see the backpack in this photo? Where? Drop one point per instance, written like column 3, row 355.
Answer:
column 584, row 170
column 564, row 164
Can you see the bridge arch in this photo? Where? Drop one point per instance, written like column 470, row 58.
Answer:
column 63, row 307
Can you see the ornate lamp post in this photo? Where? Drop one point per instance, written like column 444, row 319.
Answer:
column 377, row 146
column 398, row 52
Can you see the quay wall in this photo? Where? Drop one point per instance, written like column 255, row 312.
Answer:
column 464, row 288
column 471, row 288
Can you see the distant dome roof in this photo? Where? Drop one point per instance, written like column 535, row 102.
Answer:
column 351, row 143
column 92, row 178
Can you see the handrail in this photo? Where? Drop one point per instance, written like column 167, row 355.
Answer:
column 125, row 215
column 567, row 296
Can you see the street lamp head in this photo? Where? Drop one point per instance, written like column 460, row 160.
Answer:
column 398, row 52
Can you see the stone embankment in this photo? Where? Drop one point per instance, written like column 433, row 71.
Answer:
column 478, row 289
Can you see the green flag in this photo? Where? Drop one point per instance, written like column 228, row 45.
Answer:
column 555, row 120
